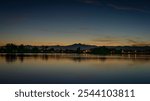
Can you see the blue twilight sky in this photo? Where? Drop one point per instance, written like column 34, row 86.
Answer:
column 64, row 22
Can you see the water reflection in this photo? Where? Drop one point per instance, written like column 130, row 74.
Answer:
column 74, row 68
column 72, row 57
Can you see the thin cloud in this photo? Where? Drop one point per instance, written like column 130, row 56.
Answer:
column 127, row 8
column 132, row 41
column 108, row 39
column 122, row 41
column 95, row 2
column 105, row 40
column 89, row 1
column 138, row 43
column 114, row 6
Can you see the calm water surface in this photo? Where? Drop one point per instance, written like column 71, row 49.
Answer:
column 74, row 68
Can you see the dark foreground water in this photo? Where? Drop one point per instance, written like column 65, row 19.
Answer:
column 74, row 68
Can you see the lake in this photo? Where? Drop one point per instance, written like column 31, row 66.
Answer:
column 74, row 68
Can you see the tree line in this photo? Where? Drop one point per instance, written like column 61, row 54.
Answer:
column 12, row 48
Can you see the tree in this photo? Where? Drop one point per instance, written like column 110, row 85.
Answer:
column 21, row 49
column 100, row 50
column 11, row 48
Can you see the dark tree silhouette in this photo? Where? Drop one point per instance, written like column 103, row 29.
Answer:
column 10, row 48
column 100, row 50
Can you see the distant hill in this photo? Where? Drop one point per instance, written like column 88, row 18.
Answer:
column 74, row 47
column 82, row 46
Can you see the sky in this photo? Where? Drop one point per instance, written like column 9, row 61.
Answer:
column 65, row 22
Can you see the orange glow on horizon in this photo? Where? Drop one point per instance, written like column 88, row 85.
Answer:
column 70, row 43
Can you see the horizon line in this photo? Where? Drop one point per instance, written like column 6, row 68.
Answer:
column 79, row 43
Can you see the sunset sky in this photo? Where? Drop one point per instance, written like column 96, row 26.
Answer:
column 65, row 22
